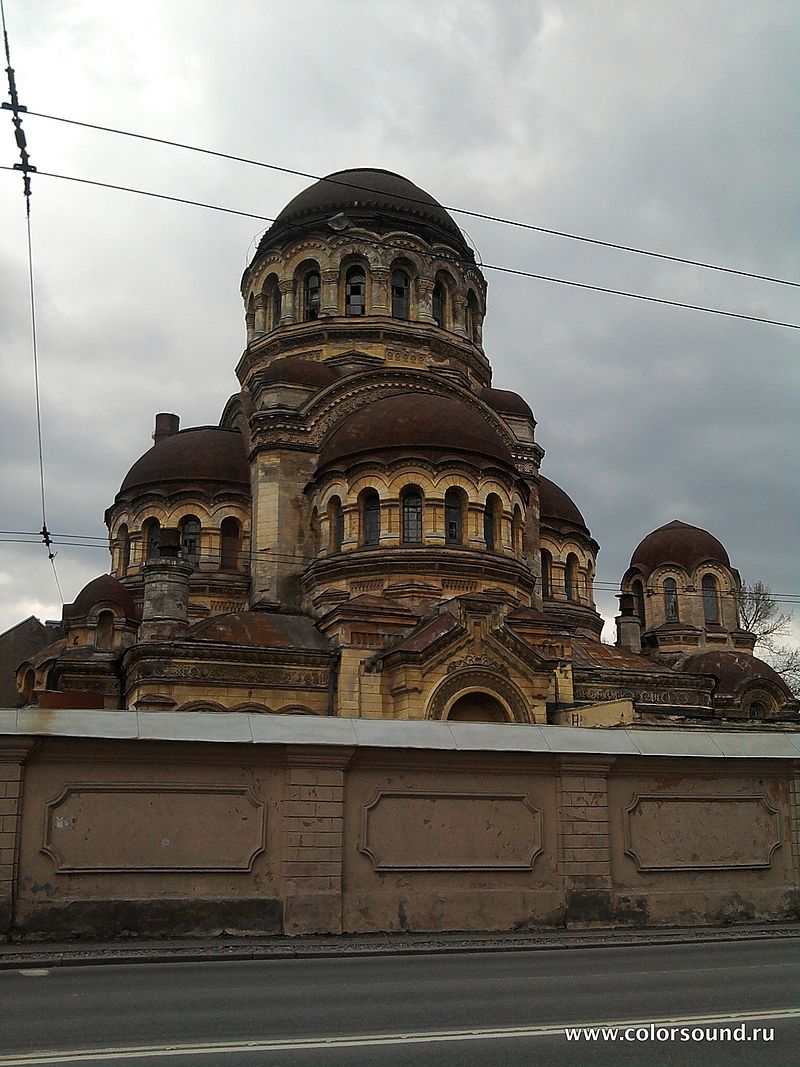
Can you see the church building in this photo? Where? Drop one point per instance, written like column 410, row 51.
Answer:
column 368, row 533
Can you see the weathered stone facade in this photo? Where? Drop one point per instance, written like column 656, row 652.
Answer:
column 367, row 533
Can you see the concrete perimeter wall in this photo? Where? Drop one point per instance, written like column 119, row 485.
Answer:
column 117, row 823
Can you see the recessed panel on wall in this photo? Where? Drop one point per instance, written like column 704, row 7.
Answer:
column 407, row 830
column 132, row 827
column 669, row 832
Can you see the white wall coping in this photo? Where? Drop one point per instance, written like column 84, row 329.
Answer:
column 269, row 729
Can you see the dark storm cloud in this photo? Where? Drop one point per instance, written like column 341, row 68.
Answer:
column 669, row 126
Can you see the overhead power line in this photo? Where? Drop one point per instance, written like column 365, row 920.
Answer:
column 417, row 200
column 26, row 168
column 484, row 266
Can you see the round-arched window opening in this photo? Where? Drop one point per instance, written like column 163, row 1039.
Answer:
column 638, row 596
column 335, row 524
column 547, row 573
column 477, row 707
column 311, row 293
column 355, row 291
column 710, row 600
column 370, row 517
column 671, row 599
column 757, row 709
column 411, row 499
column 152, row 538
column 491, row 522
column 230, row 545
column 439, row 308
column 104, row 634
column 454, row 516
column 571, row 577
column 400, row 287
column 190, row 539
column 124, row 549
column 28, row 685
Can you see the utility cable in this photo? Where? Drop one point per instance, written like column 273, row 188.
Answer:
column 484, row 266
column 26, row 168
column 416, row 200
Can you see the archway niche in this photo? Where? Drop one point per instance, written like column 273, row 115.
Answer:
column 477, row 707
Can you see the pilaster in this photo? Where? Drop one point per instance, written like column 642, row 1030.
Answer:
column 13, row 754
column 313, row 830
column 585, row 839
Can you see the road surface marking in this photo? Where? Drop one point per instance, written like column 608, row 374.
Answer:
column 34, row 1059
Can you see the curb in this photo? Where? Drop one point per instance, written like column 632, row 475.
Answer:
column 10, row 960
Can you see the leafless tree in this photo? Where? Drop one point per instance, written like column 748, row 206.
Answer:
column 759, row 612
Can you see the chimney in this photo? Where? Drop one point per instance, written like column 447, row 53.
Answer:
column 629, row 627
column 165, row 608
column 166, row 426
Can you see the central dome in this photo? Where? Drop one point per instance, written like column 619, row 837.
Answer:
column 366, row 195
column 415, row 422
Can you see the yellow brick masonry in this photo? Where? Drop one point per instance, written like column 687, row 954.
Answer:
column 12, row 757
column 313, row 829
column 583, row 818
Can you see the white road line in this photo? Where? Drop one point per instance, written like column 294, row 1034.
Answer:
column 34, row 1059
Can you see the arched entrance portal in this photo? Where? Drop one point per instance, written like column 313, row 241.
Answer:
column 477, row 707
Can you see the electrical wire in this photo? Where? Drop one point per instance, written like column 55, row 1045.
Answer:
column 26, row 168
column 415, row 200
column 484, row 266
column 292, row 559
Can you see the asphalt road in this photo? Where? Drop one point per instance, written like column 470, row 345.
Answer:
column 483, row 1008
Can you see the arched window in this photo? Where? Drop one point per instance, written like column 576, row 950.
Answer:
column 491, row 522
column 638, row 596
column 439, row 307
column 104, row 633
column 335, row 524
column 411, row 503
column 477, row 707
column 355, row 291
column 230, row 546
column 124, row 549
column 547, row 573
column 516, row 531
column 473, row 322
column 152, row 538
column 710, row 600
column 370, row 517
column 272, row 303
column 190, row 539
column 454, row 517
column 757, row 709
column 400, row 288
column 571, row 577
column 28, row 685
column 671, row 599
column 311, row 288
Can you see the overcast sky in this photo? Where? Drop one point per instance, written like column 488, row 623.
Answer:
column 669, row 126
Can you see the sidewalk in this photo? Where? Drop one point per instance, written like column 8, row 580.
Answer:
column 226, row 947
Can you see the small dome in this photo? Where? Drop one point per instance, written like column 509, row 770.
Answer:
column 259, row 629
column 415, row 421
column 365, row 195
column 199, row 454
column 506, row 402
column 734, row 670
column 677, row 542
column 296, row 371
column 105, row 588
column 555, row 504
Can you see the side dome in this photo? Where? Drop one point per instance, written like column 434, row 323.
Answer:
column 555, row 504
column 199, row 454
column 259, row 629
column 365, row 195
column 678, row 542
column 103, row 589
column 735, row 671
column 415, row 422
column 506, row 402
column 297, row 371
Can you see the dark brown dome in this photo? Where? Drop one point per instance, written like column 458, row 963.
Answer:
column 365, row 195
column 260, row 629
column 734, row 671
column 296, row 371
column 414, row 422
column 105, row 588
column 506, row 402
column 677, row 542
column 555, row 504
column 199, row 454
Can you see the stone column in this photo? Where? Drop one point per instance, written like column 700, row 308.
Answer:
column 380, row 296
column 585, row 841
column 329, row 299
column 287, row 301
column 313, row 826
column 165, row 606
column 13, row 753
column 425, row 305
column 260, row 324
